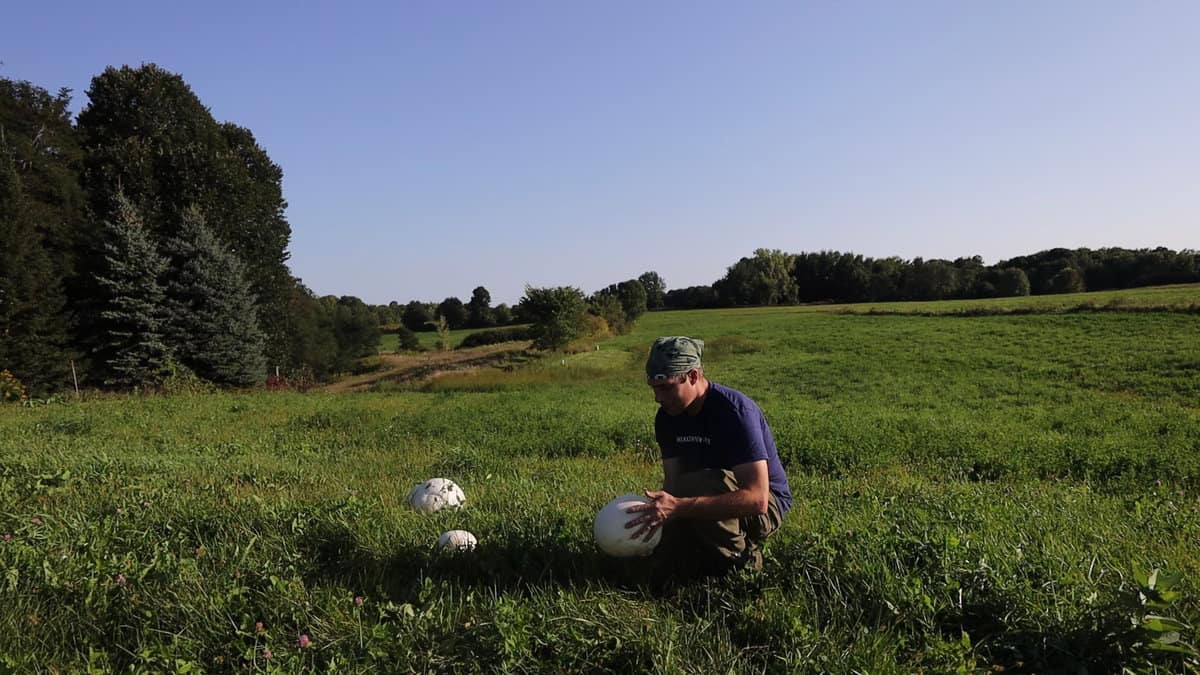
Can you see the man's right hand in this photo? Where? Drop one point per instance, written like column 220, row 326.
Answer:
column 654, row 514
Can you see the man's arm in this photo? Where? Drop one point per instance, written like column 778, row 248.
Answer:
column 672, row 468
column 750, row 499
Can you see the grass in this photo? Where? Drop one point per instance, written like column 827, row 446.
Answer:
column 389, row 343
column 972, row 493
column 1176, row 296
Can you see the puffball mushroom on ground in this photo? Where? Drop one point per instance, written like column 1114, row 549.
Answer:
column 608, row 529
column 435, row 494
column 457, row 541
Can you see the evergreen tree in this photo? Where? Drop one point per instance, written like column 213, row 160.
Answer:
column 130, row 350
column 33, row 335
column 147, row 135
column 210, row 323
column 36, row 130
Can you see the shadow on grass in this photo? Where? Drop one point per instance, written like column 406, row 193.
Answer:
column 514, row 562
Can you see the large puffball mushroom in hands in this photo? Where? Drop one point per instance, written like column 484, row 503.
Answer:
column 614, row 538
column 436, row 494
column 457, row 541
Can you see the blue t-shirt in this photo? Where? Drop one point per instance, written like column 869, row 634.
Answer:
column 729, row 430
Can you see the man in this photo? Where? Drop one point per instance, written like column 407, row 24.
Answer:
column 724, row 489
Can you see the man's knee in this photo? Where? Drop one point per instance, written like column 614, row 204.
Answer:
column 705, row 483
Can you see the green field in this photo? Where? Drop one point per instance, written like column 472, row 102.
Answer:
column 974, row 494
column 391, row 342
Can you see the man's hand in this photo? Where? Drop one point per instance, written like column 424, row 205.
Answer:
column 654, row 514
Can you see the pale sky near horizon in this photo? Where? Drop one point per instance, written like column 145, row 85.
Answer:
column 430, row 147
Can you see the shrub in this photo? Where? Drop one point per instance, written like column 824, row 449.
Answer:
column 495, row 336
column 557, row 315
column 407, row 340
column 11, row 389
column 598, row 326
column 370, row 364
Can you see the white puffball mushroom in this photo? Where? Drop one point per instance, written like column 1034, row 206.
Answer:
column 613, row 537
column 436, row 494
column 457, row 541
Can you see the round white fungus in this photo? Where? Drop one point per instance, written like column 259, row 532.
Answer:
column 436, row 494
column 611, row 534
column 457, row 540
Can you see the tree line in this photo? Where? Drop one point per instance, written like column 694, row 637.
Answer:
column 554, row 315
column 145, row 242
column 773, row 277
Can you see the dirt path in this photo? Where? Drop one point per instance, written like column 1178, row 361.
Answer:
column 403, row 367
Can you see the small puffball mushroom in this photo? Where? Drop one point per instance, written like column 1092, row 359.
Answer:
column 457, row 541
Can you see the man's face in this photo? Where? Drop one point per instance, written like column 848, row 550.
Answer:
column 676, row 393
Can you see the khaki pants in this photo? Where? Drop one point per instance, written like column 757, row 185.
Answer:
column 719, row 544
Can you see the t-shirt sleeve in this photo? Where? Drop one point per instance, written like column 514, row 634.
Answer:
column 745, row 437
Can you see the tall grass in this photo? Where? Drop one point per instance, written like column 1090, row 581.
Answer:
column 972, row 494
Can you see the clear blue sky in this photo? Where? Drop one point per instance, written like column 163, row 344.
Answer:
column 431, row 147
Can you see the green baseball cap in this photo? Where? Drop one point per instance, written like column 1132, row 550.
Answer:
column 674, row 355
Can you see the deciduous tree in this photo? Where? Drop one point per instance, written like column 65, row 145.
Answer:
column 558, row 315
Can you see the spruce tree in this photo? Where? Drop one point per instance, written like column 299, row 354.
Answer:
column 130, row 348
column 33, row 334
column 148, row 135
column 211, row 323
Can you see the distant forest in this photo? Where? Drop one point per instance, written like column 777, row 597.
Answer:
column 772, row 277
column 144, row 245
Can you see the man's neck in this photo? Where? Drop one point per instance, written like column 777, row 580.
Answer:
column 697, row 405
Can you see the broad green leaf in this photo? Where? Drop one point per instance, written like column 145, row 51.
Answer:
column 1176, row 648
column 1167, row 580
column 1139, row 575
column 1159, row 624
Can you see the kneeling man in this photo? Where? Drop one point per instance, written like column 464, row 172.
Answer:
column 724, row 489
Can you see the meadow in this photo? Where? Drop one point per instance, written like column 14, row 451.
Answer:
column 1008, row 492
column 390, row 342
